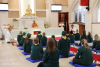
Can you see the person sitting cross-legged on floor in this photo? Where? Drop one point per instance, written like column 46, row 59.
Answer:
column 64, row 45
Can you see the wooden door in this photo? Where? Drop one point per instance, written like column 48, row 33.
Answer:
column 81, row 28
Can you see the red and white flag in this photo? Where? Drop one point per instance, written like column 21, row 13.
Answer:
column 84, row 2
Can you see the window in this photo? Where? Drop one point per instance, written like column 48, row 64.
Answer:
column 79, row 14
column 98, row 13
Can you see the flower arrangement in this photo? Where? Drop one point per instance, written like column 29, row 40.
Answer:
column 46, row 25
column 29, row 17
column 15, row 20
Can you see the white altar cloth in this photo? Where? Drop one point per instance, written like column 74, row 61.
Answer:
column 21, row 23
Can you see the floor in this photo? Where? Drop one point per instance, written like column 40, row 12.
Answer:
column 11, row 56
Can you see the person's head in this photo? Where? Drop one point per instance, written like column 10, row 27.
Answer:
column 84, row 34
column 51, row 46
column 20, row 32
column 53, row 36
column 71, row 32
column 24, row 34
column 36, row 41
column 43, row 33
column 39, row 32
column 96, row 37
column 27, row 39
column 90, row 34
column 33, row 21
column 9, row 29
column 72, row 26
column 84, row 43
column 77, row 31
column 63, row 33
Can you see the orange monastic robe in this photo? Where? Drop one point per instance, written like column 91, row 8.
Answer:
column 34, row 26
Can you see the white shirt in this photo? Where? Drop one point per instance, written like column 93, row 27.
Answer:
column 74, row 29
column 8, row 36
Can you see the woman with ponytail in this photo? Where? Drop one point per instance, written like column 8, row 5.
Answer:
column 89, row 37
column 28, row 43
column 84, row 54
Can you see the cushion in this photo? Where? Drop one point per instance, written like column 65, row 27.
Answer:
column 33, row 61
column 44, row 46
column 90, row 42
column 18, row 45
column 26, row 53
column 96, row 50
column 21, row 48
column 77, row 65
column 73, row 43
column 70, row 54
column 77, row 40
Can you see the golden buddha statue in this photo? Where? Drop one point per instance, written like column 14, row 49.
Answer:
column 29, row 12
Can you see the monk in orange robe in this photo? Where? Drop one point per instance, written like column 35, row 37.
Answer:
column 34, row 25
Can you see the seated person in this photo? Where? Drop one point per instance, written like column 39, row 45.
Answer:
column 83, row 37
column 64, row 45
column 89, row 37
column 37, row 50
column 77, row 35
column 34, row 25
column 71, row 36
column 39, row 36
column 84, row 55
column 51, row 55
column 19, row 37
column 22, row 39
column 28, row 43
column 44, row 40
column 96, row 43
column 53, row 36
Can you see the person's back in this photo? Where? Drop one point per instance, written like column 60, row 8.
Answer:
column 77, row 36
column 64, row 45
column 51, row 60
column 97, row 46
column 21, row 42
column 89, row 38
column 44, row 40
column 37, row 50
column 53, row 36
column 28, row 43
column 71, row 38
column 39, row 36
column 19, row 37
column 86, row 56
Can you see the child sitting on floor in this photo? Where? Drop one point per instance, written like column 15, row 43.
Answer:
column 37, row 50
column 23, row 39
column 39, row 36
column 44, row 40
column 19, row 37
column 28, row 43
column 64, row 45
column 53, row 36
column 77, row 35
column 84, row 55
column 96, row 43
column 71, row 36
column 51, row 55
column 89, row 37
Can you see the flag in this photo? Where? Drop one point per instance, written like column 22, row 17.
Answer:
column 84, row 2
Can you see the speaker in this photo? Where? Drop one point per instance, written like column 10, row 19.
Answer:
column 87, row 8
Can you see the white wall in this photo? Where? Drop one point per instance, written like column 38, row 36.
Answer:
column 3, row 18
